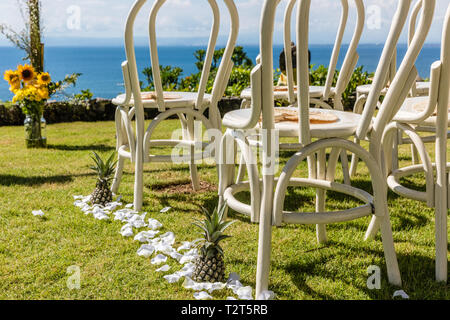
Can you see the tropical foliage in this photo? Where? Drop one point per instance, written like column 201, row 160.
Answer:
column 318, row 77
column 171, row 77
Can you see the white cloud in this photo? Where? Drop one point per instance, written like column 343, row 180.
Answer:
column 186, row 19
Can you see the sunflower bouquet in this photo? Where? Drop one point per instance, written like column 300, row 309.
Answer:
column 31, row 89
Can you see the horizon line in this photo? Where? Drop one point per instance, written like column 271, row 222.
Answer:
column 115, row 45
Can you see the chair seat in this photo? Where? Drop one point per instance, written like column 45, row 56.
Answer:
column 172, row 99
column 345, row 126
column 281, row 92
column 422, row 88
column 411, row 108
column 365, row 89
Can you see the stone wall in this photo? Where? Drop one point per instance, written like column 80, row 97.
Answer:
column 94, row 110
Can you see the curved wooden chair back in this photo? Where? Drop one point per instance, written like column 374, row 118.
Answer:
column 444, row 88
column 351, row 57
column 404, row 78
column 405, row 75
column 130, row 70
column 396, row 94
column 130, row 67
column 411, row 31
column 224, row 68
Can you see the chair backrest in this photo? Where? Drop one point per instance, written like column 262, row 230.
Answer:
column 411, row 30
column 404, row 79
column 444, row 87
column 440, row 82
column 438, row 71
column 396, row 93
column 351, row 57
column 225, row 67
column 405, row 76
column 413, row 21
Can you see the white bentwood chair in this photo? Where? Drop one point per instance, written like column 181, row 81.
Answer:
column 320, row 95
column 188, row 106
column 241, row 125
column 419, row 88
column 416, row 114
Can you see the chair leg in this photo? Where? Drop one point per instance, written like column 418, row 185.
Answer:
column 414, row 154
column 358, row 108
column 441, row 211
column 373, row 229
column 118, row 175
column 226, row 170
column 194, row 176
column 321, row 229
column 393, row 270
column 265, row 237
column 192, row 165
column 395, row 161
column 441, row 244
column 225, row 177
column 241, row 170
column 354, row 161
column 138, row 182
column 345, row 167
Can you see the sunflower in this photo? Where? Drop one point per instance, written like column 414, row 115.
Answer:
column 44, row 78
column 31, row 93
column 43, row 93
column 26, row 72
column 14, row 86
column 12, row 77
column 19, row 96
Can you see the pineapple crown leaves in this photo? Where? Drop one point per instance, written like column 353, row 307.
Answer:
column 213, row 228
column 104, row 169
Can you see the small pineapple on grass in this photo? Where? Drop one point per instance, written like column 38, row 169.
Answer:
column 102, row 193
column 209, row 266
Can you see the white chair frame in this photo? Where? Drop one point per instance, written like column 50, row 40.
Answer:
column 320, row 99
column 361, row 94
column 135, row 145
column 436, row 194
column 322, row 178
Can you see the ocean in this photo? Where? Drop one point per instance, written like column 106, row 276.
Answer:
column 101, row 72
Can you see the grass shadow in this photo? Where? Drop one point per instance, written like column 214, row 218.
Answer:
column 208, row 200
column 63, row 147
column 11, row 180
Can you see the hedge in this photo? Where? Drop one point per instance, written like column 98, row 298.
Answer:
column 95, row 110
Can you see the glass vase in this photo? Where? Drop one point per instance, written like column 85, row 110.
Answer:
column 35, row 126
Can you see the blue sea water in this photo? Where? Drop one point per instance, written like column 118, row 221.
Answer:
column 103, row 76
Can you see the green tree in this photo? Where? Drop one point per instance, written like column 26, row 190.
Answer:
column 169, row 77
column 241, row 59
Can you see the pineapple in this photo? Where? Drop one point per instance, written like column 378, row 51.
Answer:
column 209, row 266
column 102, row 193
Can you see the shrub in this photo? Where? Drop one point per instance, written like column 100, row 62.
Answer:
column 170, row 76
column 240, row 76
column 239, row 80
column 84, row 95
column 318, row 77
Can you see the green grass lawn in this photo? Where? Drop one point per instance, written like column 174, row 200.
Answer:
column 36, row 252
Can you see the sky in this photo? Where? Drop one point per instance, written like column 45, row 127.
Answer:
column 187, row 22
